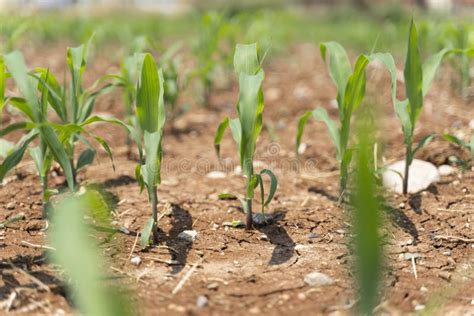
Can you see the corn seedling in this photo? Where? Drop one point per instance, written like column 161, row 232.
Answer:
column 150, row 111
column 82, row 264
column 418, row 78
column 247, row 127
column 74, row 107
column 366, row 219
column 350, row 85
column 214, row 27
column 458, row 36
column 36, row 126
column 465, row 164
column 169, row 63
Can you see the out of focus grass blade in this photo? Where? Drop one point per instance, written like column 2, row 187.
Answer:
column 366, row 222
column 81, row 261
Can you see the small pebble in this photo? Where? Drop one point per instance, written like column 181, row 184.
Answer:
column 136, row 260
column 445, row 275
column 447, row 253
column 410, row 256
column 423, row 289
column 10, row 206
column 263, row 237
column 188, row 235
column 202, row 301
column 301, row 296
column 312, row 235
column 419, row 307
column 213, row 286
column 318, row 279
column 216, row 175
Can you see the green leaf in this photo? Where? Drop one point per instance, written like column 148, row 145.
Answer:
column 339, row 67
column 146, row 233
column 6, row 148
column 54, row 92
column 85, row 158
column 455, row 140
column 430, row 67
column 322, row 115
column 273, row 185
column 250, row 109
column 227, row 196
column 16, row 126
column 76, row 254
column 131, row 130
column 246, row 59
column 413, row 76
column 355, row 89
column 16, row 155
column 151, row 170
column 366, row 224
column 220, row 134
column 59, row 153
column 150, row 106
column 252, row 183
column 425, row 140
column 22, row 105
column 301, row 125
column 17, row 67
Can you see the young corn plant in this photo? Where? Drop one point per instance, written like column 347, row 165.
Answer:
column 74, row 107
column 36, row 125
column 208, row 54
column 247, row 127
column 465, row 164
column 151, row 114
column 350, row 83
column 418, row 78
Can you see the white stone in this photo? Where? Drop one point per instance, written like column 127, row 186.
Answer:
column 421, row 175
column 446, row 170
column 318, row 279
column 216, row 175
column 188, row 235
column 202, row 301
column 136, row 260
column 302, row 148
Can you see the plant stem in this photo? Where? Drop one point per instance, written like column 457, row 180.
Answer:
column 407, row 168
column 249, row 223
column 154, row 210
column 44, row 188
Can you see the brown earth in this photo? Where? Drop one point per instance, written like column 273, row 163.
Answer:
column 261, row 271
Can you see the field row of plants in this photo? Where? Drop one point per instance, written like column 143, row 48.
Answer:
column 57, row 114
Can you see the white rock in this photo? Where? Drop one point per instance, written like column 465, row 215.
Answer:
column 136, row 260
column 419, row 307
column 421, row 175
column 471, row 124
column 188, row 235
column 302, row 148
column 318, row 279
column 446, row 170
column 202, row 301
column 216, row 175
column 238, row 171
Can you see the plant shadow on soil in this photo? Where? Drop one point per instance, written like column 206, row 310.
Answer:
column 404, row 222
column 24, row 262
column 181, row 220
column 278, row 236
column 324, row 193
